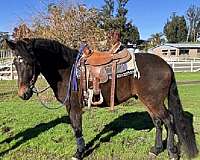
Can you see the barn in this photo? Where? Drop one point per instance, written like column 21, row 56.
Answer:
column 177, row 51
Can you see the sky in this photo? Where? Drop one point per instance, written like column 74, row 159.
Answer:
column 149, row 16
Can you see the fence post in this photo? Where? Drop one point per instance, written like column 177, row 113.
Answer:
column 11, row 53
column 191, row 66
column 173, row 66
column 12, row 72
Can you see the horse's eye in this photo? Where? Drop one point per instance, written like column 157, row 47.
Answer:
column 19, row 59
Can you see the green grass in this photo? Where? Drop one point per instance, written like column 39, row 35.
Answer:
column 188, row 76
column 35, row 133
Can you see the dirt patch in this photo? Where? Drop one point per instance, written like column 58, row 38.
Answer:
column 5, row 129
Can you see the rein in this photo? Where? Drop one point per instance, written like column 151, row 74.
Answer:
column 72, row 84
column 35, row 90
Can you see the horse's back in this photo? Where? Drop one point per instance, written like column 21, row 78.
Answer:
column 151, row 61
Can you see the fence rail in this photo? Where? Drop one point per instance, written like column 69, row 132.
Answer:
column 181, row 59
column 187, row 66
column 7, row 72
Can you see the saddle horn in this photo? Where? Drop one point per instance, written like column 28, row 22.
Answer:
column 115, row 48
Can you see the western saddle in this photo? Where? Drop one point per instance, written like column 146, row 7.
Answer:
column 93, row 69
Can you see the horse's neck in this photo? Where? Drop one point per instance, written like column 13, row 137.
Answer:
column 57, row 75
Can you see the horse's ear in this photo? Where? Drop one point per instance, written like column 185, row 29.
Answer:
column 11, row 44
column 115, row 47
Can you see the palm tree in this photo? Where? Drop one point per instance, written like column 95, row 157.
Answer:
column 156, row 39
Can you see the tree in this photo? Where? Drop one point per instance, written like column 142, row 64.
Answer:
column 121, row 15
column 131, row 33
column 72, row 26
column 156, row 39
column 3, row 36
column 193, row 17
column 22, row 31
column 118, row 22
column 106, row 15
column 175, row 29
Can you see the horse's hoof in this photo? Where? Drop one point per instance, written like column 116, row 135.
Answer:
column 74, row 158
column 174, row 158
column 77, row 156
column 173, row 154
column 156, row 151
column 152, row 156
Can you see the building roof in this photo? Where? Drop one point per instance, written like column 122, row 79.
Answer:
column 166, row 47
column 183, row 45
column 162, row 47
column 177, row 45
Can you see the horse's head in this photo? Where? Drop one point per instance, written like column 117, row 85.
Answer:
column 26, row 66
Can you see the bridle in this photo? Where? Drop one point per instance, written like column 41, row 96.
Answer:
column 34, row 78
column 37, row 92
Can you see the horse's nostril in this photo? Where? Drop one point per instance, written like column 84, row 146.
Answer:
column 22, row 96
column 25, row 95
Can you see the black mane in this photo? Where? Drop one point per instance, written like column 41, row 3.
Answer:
column 28, row 48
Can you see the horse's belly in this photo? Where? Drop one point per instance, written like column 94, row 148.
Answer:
column 123, row 91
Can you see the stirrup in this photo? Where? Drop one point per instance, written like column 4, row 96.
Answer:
column 90, row 102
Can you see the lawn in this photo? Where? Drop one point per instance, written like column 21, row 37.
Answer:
column 188, row 76
column 29, row 131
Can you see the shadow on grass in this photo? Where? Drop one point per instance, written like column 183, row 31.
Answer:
column 136, row 120
column 33, row 132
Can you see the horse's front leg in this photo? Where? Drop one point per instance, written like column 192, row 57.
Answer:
column 75, row 114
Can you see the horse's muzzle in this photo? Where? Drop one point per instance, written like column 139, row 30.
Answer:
column 25, row 92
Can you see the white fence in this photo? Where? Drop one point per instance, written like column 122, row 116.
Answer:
column 186, row 66
column 7, row 72
column 180, row 59
column 4, row 54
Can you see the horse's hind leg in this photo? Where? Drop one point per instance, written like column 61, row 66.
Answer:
column 164, row 116
column 159, row 114
column 172, row 149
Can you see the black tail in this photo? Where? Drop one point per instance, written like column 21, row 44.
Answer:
column 183, row 126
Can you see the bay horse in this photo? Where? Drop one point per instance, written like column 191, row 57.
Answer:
column 157, row 83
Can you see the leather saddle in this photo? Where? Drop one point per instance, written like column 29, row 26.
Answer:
column 97, row 58
column 96, row 62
